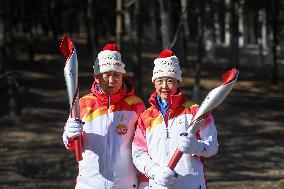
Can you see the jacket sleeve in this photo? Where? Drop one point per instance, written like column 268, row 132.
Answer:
column 141, row 158
column 207, row 143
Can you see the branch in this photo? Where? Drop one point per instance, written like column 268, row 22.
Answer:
column 181, row 20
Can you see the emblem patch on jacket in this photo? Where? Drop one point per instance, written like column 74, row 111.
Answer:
column 121, row 129
column 180, row 122
column 123, row 118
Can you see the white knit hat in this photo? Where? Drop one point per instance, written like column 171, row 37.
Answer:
column 109, row 59
column 167, row 65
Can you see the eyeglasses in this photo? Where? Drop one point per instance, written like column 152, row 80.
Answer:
column 169, row 81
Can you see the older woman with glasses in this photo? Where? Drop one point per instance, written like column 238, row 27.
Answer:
column 160, row 130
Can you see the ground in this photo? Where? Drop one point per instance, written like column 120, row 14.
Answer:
column 249, row 123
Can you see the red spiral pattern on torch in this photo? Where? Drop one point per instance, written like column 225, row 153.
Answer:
column 75, row 97
column 66, row 48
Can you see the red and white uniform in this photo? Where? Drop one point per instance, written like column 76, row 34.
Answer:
column 107, row 135
column 156, row 139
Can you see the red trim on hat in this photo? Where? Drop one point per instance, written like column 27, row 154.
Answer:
column 166, row 53
column 111, row 47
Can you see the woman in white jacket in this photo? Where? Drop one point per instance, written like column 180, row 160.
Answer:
column 158, row 133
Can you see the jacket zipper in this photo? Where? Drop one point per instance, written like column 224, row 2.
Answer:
column 107, row 147
column 167, row 119
column 167, row 128
column 168, row 135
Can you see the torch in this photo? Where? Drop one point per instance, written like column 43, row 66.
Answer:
column 71, row 77
column 213, row 99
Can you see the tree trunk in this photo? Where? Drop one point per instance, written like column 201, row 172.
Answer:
column 200, row 53
column 137, row 67
column 127, row 23
column 222, row 14
column 119, row 23
column 52, row 20
column 14, row 97
column 217, row 27
column 262, row 36
column 8, row 32
column 129, row 8
column 2, row 46
column 241, row 24
column 12, row 88
column 184, row 10
column 3, row 94
column 227, row 24
column 275, row 40
column 153, row 20
column 208, row 36
column 251, row 29
column 90, row 24
column 234, row 34
column 263, row 29
column 165, row 12
column 30, row 45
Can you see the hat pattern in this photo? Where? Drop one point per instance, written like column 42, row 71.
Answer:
column 109, row 59
column 167, row 65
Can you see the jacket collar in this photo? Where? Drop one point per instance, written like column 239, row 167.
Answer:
column 173, row 100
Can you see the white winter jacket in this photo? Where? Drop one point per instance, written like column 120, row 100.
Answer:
column 107, row 135
column 156, row 139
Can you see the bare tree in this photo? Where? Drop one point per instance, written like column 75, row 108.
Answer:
column 137, row 40
column 53, row 20
column 165, row 12
column 234, row 34
column 200, row 53
column 262, row 36
column 128, row 18
column 90, row 25
column 8, row 31
column 153, row 19
column 119, row 23
column 8, row 80
column 218, row 22
column 2, row 47
column 241, row 23
column 227, row 24
column 184, row 11
column 275, row 22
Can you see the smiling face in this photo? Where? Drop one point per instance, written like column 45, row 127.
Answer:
column 166, row 86
column 110, row 82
